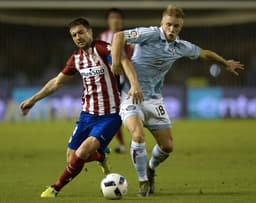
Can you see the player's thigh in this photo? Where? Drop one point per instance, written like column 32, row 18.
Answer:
column 88, row 146
column 164, row 139
column 105, row 129
column 135, row 127
column 132, row 116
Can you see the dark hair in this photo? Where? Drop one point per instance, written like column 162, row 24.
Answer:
column 79, row 21
column 114, row 10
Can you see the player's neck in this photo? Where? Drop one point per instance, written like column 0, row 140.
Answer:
column 85, row 49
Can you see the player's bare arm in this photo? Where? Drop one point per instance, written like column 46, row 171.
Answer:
column 50, row 87
column 135, row 91
column 116, row 51
column 231, row 65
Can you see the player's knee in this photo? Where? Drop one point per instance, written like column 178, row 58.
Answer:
column 138, row 138
column 68, row 158
column 137, row 133
column 70, row 154
column 168, row 148
column 91, row 144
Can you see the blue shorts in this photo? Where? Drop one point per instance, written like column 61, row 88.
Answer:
column 103, row 128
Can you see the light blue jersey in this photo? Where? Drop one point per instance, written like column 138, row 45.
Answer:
column 153, row 57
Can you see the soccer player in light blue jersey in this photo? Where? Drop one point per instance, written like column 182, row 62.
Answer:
column 156, row 49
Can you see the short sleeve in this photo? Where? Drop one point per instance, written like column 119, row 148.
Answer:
column 190, row 50
column 140, row 35
column 70, row 68
column 104, row 50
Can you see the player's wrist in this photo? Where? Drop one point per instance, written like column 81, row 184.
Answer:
column 134, row 84
column 33, row 99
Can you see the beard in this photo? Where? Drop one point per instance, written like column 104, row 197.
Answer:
column 84, row 44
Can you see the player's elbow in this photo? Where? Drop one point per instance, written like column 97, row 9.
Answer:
column 57, row 83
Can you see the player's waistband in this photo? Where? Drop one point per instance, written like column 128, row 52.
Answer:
column 87, row 114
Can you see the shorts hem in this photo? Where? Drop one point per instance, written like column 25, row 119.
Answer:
column 129, row 115
column 158, row 127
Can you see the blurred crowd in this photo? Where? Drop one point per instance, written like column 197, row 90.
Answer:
column 30, row 55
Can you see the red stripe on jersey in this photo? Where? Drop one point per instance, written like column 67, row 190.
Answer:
column 115, row 89
column 86, row 97
column 105, row 95
column 83, row 97
column 70, row 68
column 88, row 60
column 114, row 86
column 81, row 61
column 95, row 96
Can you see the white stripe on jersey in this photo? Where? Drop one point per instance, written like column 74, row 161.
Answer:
column 99, row 89
column 91, row 109
column 92, row 60
column 78, row 62
column 109, row 86
column 110, row 37
column 90, row 91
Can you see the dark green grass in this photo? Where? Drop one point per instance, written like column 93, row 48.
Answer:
column 213, row 161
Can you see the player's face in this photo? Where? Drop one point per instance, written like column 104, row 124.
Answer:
column 81, row 36
column 171, row 27
column 115, row 22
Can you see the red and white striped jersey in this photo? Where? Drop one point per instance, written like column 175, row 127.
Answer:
column 101, row 95
column 106, row 36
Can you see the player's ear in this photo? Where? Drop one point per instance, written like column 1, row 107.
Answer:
column 182, row 24
column 161, row 22
column 90, row 31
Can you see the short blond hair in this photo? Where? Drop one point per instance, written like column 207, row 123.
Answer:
column 173, row 10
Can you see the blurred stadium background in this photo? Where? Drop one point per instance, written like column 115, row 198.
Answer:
column 35, row 45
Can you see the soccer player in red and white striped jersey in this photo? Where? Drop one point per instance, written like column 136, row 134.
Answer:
column 100, row 96
column 115, row 19
column 99, row 119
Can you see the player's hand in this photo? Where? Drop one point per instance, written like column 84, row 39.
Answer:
column 136, row 93
column 26, row 105
column 233, row 66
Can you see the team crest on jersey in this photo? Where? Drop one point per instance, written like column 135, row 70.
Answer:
column 133, row 34
column 96, row 59
column 130, row 108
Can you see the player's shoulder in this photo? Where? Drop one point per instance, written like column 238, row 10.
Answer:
column 77, row 52
column 101, row 46
column 150, row 29
column 104, row 32
column 100, row 43
column 183, row 43
column 151, row 33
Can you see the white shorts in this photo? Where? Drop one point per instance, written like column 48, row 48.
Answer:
column 152, row 112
